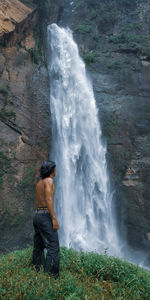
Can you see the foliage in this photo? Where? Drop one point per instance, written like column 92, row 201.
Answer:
column 96, row 38
column 115, row 65
column 45, row 10
column 127, row 3
column 4, row 91
column 136, row 67
column 28, row 178
column 83, row 28
column 90, row 57
column 125, row 37
column 44, row 7
column 4, row 114
column 138, row 42
column 120, row 3
column 76, row 4
column 104, row 15
column 4, row 165
column 35, row 55
column 82, row 276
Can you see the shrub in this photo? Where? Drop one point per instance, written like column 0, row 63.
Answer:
column 4, row 114
column 90, row 57
column 35, row 55
column 115, row 65
column 4, row 91
column 104, row 15
column 127, row 3
column 83, row 28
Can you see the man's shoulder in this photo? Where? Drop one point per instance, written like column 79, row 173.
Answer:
column 48, row 181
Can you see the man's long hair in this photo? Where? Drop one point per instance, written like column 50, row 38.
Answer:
column 47, row 168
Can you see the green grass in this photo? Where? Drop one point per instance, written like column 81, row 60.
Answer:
column 82, row 276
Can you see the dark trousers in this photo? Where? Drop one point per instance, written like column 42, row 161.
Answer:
column 45, row 237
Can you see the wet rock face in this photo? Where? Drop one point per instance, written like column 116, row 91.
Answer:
column 25, row 138
column 113, row 38
column 124, row 115
column 25, row 133
column 25, row 142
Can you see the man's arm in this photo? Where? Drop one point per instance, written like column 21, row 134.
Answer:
column 49, row 192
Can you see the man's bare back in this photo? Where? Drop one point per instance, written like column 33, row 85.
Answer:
column 44, row 197
column 41, row 188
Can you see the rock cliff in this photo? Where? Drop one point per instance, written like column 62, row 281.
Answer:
column 114, row 40
column 12, row 13
column 24, row 122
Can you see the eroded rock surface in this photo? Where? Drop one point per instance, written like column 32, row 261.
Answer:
column 24, row 126
column 12, row 12
column 113, row 37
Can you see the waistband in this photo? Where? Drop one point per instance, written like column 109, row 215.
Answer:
column 42, row 210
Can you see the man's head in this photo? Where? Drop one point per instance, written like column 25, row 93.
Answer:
column 48, row 168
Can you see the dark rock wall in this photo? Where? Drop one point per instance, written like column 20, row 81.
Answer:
column 114, row 40
column 25, row 139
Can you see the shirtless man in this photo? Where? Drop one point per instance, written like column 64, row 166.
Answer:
column 45, row 222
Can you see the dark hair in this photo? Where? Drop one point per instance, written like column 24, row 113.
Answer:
column 47, row 168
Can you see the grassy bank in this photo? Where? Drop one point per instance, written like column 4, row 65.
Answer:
column 82, row 276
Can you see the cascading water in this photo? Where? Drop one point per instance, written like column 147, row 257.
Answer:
column 83, row 200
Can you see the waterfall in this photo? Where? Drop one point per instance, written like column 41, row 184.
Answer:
column 83, row 200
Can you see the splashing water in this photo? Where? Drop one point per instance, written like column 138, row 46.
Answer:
column 83, row 200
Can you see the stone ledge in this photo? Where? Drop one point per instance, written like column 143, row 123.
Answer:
column 12, row 12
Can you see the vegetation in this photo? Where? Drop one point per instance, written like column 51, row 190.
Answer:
column 76, row 4
column 46, row 9
column 4, row 166
column 105, row 15
column 127, row 3
column 4, row 91
column 28, row 178
column 90, row 57
column 121, row 3
column 82, row 276
column 4, row 114
column 96, row 38
column 135, row 67
column 125, row 37
column 35, row 55
column 83, row 28
column 133, row 40
column 115, row 65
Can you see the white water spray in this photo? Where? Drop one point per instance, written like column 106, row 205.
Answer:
column 84, row 202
